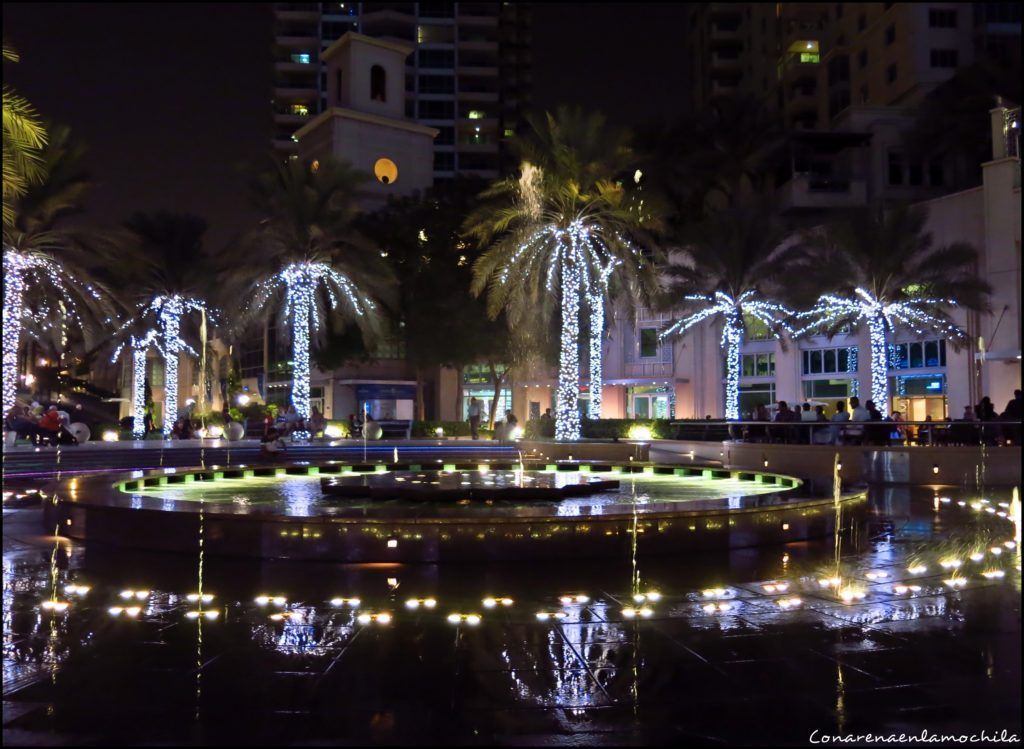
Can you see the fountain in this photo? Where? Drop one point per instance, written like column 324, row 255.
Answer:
column 460, row 511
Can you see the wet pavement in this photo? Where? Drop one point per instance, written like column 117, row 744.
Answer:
column 757, row 646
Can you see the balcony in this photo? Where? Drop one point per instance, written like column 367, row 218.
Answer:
column 294, row 39
column 288, row 66
column 643, row 369
column 292, row 93
column 813, row 192
column 299, row 13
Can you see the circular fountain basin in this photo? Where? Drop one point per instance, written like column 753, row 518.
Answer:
column 392, row 513
column 469, row 486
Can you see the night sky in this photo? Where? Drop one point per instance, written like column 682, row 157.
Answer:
column 173, row 100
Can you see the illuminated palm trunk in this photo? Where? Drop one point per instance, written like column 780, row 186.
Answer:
column 879, row 364
column 14, row 291
column 301, row 302
column 139, row 388
column 170, row 324
column 596, row 368
column 732, row 337
column 567, row 415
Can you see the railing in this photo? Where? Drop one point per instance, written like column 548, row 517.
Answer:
column 877, row 433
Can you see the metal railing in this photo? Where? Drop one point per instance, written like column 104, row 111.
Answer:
column 877, row 433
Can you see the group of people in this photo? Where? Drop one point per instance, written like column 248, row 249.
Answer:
column 864, row 424
column 475, row 414
column 41, row 427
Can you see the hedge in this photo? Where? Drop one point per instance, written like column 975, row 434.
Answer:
column 451, row 429
column 602, row 429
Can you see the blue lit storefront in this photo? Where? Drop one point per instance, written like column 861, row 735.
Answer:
column 917, row 379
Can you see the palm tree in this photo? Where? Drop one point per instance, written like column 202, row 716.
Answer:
column 165, row 273
column 719, row 157
column 24, row 138
column 307, row 251
column 41, row 253
column 557, row 231
column 891, row 275
column 732, row 265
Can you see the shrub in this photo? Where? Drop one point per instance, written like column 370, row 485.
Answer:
column 605, row 429
column 342, row 425
column 428, row 429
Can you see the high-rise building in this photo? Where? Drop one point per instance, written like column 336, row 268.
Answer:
column 811, row 61
column 768, row 50
column 845, row 80
column 468, row 75
column 891, row 54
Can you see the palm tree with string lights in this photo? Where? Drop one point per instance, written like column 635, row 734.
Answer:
column 310, row 260
column 730, row 267
column 559, row 232
column 891, row 275
column 48, row 283
column 165, row 276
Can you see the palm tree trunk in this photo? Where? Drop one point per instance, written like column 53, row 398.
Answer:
column 733, row 337
column 596, row 364
column 301, row 306
column 421, row 409
column 497, row 381
column 170, row 322
column 13, row 309
column 202, row 362
column 879, row 364
column 138, row 391
column 567, row 415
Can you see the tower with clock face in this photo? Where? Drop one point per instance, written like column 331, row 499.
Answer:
column 365, row 124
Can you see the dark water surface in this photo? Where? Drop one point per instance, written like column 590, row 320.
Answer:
column 944, row 658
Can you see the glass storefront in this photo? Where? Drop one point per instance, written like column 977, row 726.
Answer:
column 919, row 396
column 650, row 402
column 755, row 394
column 485, row 396
column 828, row 391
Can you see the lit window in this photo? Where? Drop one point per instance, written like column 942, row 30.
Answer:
column 302, row 58
column 300, row 109
column 475, row 114
column 385, row 171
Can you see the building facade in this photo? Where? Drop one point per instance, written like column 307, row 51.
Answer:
column 467, row 74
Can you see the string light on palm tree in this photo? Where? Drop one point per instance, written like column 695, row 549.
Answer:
column 881, row 316
column 304, row 310
column 139, row 346
column 169, row 310
column 550, row 230
column 23, row 269
column 596, row 300
column 882, row 269
column 733, row 312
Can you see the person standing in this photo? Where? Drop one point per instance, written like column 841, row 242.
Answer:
column 474, row 418
column 1012, row 413
column 838, row 418
column 855, row 434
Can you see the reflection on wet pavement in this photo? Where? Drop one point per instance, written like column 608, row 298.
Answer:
column 918, row 627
